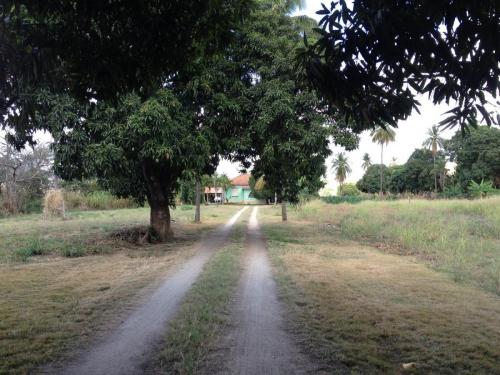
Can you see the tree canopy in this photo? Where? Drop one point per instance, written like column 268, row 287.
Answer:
column 476, row 154
column 289, row 125
column 415, row 176
column 101, row 50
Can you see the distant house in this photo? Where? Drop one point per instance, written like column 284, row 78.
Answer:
column 213, row 195
column 240, row 191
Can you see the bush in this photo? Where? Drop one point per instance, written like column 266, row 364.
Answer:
column 34, row 247
column 348, row 190
column 481, row 190
column 454, row 191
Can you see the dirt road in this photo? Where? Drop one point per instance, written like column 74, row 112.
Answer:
column 126, row 349
column 256, row 341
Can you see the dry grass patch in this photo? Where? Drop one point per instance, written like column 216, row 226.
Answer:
column 48, row 308
column 459, row 237
column 364, row 311
column 52, row 304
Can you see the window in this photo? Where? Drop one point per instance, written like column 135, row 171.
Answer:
column 235, row 192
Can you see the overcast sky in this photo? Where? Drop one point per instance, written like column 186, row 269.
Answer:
column 409, row 135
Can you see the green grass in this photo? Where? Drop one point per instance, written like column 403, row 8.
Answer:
column 357, row 309
column 459, row 237
column 204, row 312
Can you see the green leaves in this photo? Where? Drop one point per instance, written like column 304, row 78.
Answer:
column 370, row 53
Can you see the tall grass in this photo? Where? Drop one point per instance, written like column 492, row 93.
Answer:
column 96, row 200
column 456, row 236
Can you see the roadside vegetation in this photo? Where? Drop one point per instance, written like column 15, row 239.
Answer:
column 54, row 299
column 205, row 310
column 360, row 308
column 32, row 238
column 459, row 237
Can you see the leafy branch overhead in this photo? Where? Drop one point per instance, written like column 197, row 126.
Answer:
column 374, row 57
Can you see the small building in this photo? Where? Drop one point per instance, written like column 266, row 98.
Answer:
column 240, row 191
column 214, row 195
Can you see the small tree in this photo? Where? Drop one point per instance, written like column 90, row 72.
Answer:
column 348, row 190
column 341, row 167
column 366, row 161
column 434, row 142
column 24, row 174
column 480, row 190
column 382, row 136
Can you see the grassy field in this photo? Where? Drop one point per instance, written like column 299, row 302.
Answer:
column 53, row 302
column 459, row 237
column 367, row 309
column 32, row 238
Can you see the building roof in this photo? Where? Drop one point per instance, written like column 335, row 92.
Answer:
column 241, row 180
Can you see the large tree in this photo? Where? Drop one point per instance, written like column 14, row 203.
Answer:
column 136, row 149
column 370, row 182
column 420, row 169
column 106, row 79
column 288, row 134
column 374, row 57
column 477, row 155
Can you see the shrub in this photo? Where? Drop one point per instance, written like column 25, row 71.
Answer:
column 348, row 190
column 34, row 247
column 454, row 191
column 481, row 190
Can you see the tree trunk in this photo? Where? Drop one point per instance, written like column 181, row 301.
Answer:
column 197, row 212
column 11, row 190
column 275, row 198
column 159, row 184
column 284, row 216
column 435, row 174
column 382, row 169
column 160, row 222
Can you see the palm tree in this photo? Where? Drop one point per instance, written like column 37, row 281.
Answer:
column 382, row 136
column 434, row 142
column 366, row 161
column 341, row 167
